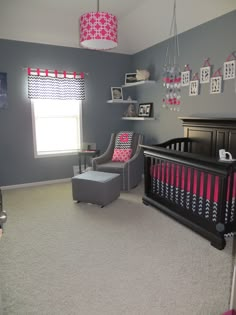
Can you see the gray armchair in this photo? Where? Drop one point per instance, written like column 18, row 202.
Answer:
column 130, row 171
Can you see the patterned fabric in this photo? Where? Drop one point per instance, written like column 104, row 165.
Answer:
column 124, row 140
column 123, row 143
column 98, row 25
column 170, row 184
column 121, row 155
column 46, row 87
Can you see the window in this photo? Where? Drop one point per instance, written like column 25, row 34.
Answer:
column 57, row 127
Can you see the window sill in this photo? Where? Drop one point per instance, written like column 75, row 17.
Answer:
column 48, row 155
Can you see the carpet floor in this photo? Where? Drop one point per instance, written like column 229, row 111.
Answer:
column 59, row 257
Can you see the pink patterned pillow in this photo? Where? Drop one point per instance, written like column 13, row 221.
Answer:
column 121, row 155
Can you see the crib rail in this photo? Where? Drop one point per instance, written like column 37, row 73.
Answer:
column 177, row 144
column 197, row 191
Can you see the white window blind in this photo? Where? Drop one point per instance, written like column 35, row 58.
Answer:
column 57, row 126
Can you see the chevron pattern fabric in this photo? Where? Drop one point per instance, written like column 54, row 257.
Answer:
column 46, row 87
column 124, row 140
column 123, row 143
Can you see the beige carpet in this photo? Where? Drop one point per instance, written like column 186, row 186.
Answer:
column 59, row 257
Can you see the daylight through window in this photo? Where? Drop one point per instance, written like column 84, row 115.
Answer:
column 57, row 126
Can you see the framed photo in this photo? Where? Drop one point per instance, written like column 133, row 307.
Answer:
column 205, row 74
column 116, row 93
column 130, row 78
column 3, row 90
column 194, row 88
column 145, row 110
column 216, row 85
column 229, row 70
column 185, row 78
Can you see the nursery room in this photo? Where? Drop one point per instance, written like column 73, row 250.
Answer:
column 117, row 163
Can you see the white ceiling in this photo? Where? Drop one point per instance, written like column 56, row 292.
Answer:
column 142, row 23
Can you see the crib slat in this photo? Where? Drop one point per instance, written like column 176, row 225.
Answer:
column 205, row 208
column 174, row 183
column 191, row 188
column 160, row 178
column 185, row 187
column 197, row 192
column 164, row 179
column 229, row 204
column 213, row 207
column 169, row 179
column 179, row 184
column 154, row 180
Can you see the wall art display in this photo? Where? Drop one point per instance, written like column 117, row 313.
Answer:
column 130, row 78
column 116, row 93
column 205, row 71
column 3, row 90
column 145, row 110
column 216, row 85
column 205, row 74
column 194, row 88
column 185, row 76
column 229, row 70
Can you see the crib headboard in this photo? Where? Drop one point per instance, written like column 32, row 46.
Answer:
column 211, row 134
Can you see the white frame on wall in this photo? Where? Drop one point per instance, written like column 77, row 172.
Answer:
column 205, row 74
column 229, row 70
column 185, row 78
column 216, row 85
column 194, row 88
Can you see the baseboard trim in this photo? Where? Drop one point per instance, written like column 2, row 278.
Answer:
column 48, row 182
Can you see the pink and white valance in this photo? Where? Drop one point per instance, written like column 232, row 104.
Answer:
column 47, row 84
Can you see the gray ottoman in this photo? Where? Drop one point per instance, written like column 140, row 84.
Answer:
column 96, row 187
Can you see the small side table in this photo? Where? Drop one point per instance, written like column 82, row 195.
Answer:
column 83, row 154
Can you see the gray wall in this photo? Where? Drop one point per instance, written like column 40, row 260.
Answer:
column 17, row 162
column 216, row 40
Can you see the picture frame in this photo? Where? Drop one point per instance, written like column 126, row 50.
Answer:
column 216, row 85
column 130, row 78
column 205, row 74
column 229, row 70
column 3, row 90
column 185, row 78
column 194, row 88
column 145, row 110
column 116, row 93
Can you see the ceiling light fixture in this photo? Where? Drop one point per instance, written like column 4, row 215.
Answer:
column 98, row 30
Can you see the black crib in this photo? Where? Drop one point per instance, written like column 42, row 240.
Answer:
column 196, row 189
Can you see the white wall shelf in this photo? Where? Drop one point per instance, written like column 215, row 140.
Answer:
column 123, row 101
column 146, row 82
column 138, row 118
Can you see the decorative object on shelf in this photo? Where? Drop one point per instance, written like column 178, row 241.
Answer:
column 171, row 76
column 142, row 75
column 145, row 109
column 131, row 111
column 116, row 93
column 194, row 85
column 216, row 83
column 229, row 67
column 98, row 30
column 205, row 72
column 3, row 90
column 130, row 78
column 185, row 76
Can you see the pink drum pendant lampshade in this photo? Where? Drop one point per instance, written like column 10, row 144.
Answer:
column 98, row 30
